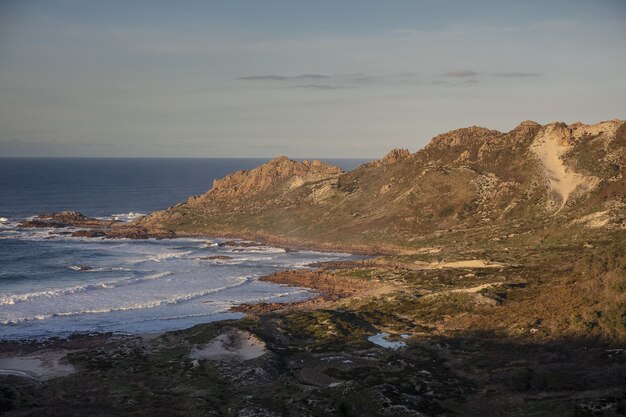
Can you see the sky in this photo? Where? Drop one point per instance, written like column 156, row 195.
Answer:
column 251, row 78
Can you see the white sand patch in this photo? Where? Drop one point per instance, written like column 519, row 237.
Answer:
column 39, row 366
column 233, row 345
column 549, row 146
column 473, row 263
column 382, row 340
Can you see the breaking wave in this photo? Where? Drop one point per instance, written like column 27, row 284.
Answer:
column 6, row 299
column 176, row 299
column 126, row 217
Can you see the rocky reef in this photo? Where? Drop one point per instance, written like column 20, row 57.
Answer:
column 90, row 227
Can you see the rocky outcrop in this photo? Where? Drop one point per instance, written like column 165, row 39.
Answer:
column 275, row 172
column 394, row 156
column 94, row 227
column 463, row 137
column 215, row 258
column 65, row 219
column 137, row 232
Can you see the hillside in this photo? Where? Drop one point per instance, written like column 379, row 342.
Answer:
column 470, row 179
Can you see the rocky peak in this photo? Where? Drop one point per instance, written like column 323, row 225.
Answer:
column 462, row 137
column 395, row 155
column 528, row 123
column 272, row 173
column 526, row 126
column 607, row 128
column 558, row 132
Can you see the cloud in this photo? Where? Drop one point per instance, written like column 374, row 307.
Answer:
column 518, row 74
column 461, row 73
column 264, row 78
column 310, row 77
column 274, row 77
column 322, row 86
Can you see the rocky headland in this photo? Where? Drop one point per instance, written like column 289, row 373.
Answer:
column 498, row 281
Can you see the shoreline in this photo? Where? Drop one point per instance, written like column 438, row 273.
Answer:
column 331, row 289
column 296, row 244
column 91, row 227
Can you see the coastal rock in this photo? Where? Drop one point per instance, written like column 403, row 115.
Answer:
column 215, row 258
column 271, row 174
column 110, row 229
column 36, row 223
column 238, row 244
column 65, row 219
column 81, row 268
column 89, row 233
column 137, row 232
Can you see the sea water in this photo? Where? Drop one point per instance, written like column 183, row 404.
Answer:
column 54, row 285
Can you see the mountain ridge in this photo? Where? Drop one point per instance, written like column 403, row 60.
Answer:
column 463, row 179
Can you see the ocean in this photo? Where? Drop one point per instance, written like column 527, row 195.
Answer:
column 130, row 286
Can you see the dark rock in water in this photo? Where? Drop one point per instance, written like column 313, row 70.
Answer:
column 239, row 244
column 162, row 234
column 215, row 258
column 128, row 233
column 64, row 216
column 81, row 268
column 112, row 229
column 65, row 219
column 89, row 233
column 138, row 232
column 40, row 223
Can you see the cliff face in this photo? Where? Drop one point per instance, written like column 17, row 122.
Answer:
column 527, row 179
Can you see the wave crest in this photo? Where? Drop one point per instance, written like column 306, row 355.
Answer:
column 58, row 292
column 179, row 298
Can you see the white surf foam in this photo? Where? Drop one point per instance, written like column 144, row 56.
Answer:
column 175, row 299
column 7, row 299
column 161, row 257
column 126, row 217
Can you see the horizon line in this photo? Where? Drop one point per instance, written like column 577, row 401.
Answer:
column 183, row 157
